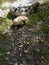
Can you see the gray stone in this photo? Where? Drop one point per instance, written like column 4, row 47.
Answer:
column 20, row 6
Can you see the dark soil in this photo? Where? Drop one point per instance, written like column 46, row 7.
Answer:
column 27, row 44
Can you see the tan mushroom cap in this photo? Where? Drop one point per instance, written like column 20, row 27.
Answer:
column 19, row 20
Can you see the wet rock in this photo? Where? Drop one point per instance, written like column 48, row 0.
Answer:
column 20, row 6
column 20, row 20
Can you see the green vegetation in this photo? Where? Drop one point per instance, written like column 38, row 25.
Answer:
column 39, row 26
column 5, row 22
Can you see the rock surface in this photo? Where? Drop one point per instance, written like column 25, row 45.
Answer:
column 21, row 5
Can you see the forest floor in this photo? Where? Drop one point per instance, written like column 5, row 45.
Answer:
column 27, row 44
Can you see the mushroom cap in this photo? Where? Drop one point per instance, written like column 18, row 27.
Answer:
column 23, row 14
column 20, row 20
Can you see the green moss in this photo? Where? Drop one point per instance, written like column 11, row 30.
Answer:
column 5, row 23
